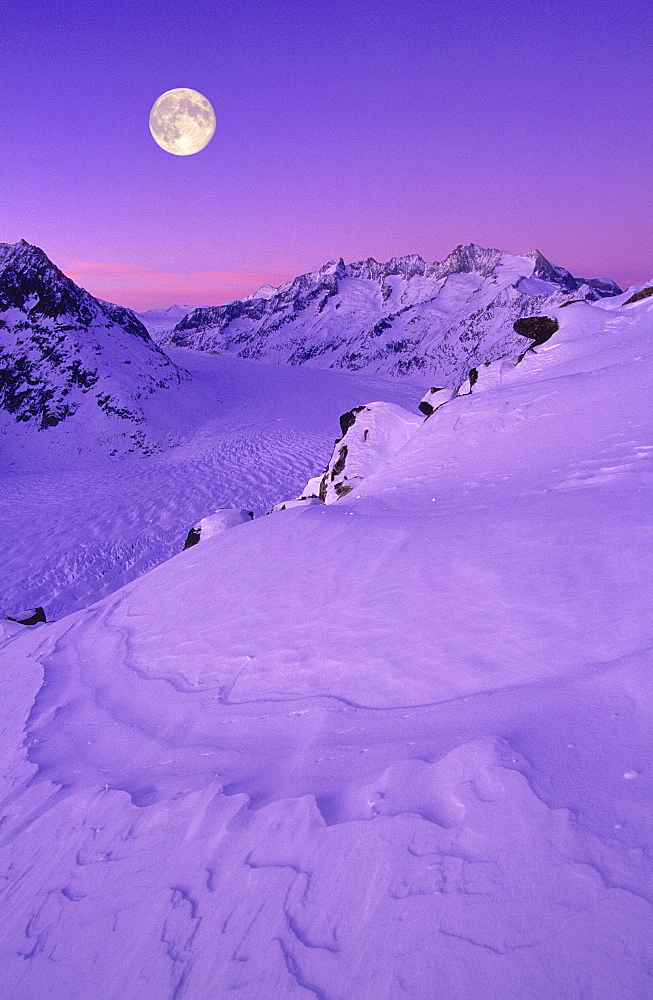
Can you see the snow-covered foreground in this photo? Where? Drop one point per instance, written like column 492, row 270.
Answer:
column 252, row 435
column 393, row 747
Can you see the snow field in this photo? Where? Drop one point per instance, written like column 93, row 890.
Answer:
column 249, row 435
column 393, row 747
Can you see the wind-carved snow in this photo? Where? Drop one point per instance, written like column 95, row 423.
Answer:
column 397, row 745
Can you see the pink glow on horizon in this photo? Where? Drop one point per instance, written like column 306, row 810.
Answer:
column 142, row 288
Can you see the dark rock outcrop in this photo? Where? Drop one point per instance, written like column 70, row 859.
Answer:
column 32, row 616
column 539, row 329
column 192, row 538
column 373, row 433
column 643, row 293
column 339, row 463
column 220, row 520
column 432, row 400
column 347, row 419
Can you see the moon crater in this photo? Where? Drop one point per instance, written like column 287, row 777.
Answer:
column 182, row 121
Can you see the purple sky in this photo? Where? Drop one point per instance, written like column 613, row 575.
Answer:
column 348, row 129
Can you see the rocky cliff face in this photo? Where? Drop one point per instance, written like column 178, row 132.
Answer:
column 403, row 317
column 66, row 354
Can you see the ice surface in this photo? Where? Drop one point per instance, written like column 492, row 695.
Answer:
column 396, row 746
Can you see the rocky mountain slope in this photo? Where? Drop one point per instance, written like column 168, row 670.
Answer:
column 67, row 358
column 402, row 317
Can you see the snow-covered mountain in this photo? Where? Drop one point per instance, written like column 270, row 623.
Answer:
column 75, row 372
column 392, row 747
column 160, row 322
column 402, row 317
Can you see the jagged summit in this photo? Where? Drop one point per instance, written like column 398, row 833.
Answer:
column 400, row 317
column 30, row 281
column 64, row 353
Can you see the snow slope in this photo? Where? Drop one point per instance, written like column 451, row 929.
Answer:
column 77, row 375
column 396, row 746
column 404, row 316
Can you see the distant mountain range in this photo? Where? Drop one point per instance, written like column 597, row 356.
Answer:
column 70, row 360
column 65, row 354
column 404, row 317
column 158, row 322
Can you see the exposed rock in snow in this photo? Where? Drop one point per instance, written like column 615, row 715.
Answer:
column 466, row 387
column 402, row 317
column 192, row 538
column 371, row 434
column 489, row 375
column 31, row 616
column 537, row 328
column 643, row 293
column 436, row 397
column 66, row 355
column 219, row 520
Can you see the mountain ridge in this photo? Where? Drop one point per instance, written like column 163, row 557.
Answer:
column 66, row 354
column 399, row 317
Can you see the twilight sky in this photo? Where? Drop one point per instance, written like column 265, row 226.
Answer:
column 353, row 129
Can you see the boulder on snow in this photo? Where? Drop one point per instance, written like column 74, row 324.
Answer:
column 220, row 520
column 32, row 616
column 348, row 419
column 537, row 328
column 192, row 538
column 371, row 435
column 489, row 374
column 432, row 400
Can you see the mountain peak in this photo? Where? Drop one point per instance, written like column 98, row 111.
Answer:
column 22, row 253
column 332, row 266
column 64, row 350
column 468, row 258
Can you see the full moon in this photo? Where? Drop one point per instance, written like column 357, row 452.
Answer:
column 182, row 121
